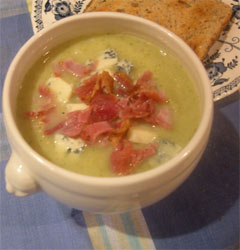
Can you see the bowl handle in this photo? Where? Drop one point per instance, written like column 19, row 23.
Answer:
column 18, row 178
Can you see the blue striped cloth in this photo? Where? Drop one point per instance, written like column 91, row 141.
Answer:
column 202, row 214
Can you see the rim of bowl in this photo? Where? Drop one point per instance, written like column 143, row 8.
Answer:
column 118, row 180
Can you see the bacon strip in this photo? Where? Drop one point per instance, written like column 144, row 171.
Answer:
column 106, row 82
column 146, row 88
column 45, row 91
column 123, row 103
column 164, row 118
column 119, row 131
column 75, row 121
column 124, row 159
column 46, row 104
column 145, row 80
column 41, row 113
column 47, row 97
column 138, row 108
column 93, row 131
column 125, row 83
column 102, row 83
column 104, row 107
column 54, row 129
column 73, row 125
column 89, row 88
column 146, row 94
column 77, row 69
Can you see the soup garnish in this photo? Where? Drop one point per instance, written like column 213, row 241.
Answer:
column 105, row 108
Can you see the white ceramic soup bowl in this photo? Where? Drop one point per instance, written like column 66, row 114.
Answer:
column 27, row 172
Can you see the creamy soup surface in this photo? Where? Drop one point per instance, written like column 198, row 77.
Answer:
column 107, row 105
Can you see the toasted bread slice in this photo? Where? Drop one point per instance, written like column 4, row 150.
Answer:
column 198, row 22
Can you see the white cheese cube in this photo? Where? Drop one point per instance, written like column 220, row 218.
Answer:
column 67, row 144
column 141, row 135
column 76, row 106
column 104, row 64
column 62, row 89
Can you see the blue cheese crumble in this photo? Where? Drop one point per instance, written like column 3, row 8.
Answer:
column 124, row 66
column 68, row 145
column 107, row 60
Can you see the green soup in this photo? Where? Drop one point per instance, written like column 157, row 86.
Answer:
column 135, row 56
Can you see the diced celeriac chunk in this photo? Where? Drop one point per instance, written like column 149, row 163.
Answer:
column 67, row 144
column 62, row 89
column 76, row 106
column 107, row 59
column 141, row 135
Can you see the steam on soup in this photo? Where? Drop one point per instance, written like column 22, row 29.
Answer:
column 107, row 105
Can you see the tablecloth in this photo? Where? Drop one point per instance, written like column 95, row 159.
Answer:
column 203, row 213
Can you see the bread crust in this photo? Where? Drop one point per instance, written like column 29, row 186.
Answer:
column 198, row 22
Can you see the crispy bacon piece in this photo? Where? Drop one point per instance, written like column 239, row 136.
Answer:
column 89, row 88
column 125, row 83
column 46, row 105
column 45, row 91
column 157, row 96
column 79, row 70
column 145, row 81
column 38, row 114
column 104, row 107
column 125, row 158
column 97, row 83
column 73, row 125
column 75, row 121
column 92, row 131
column 46, row 96
column 106, row 82
column 122, row 103
column 54, row 129
column 119, row 131
column 138, row 108
column 146, row 88
column 162, row 95
column 163, row 118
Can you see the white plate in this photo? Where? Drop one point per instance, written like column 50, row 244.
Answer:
column 222, row 61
